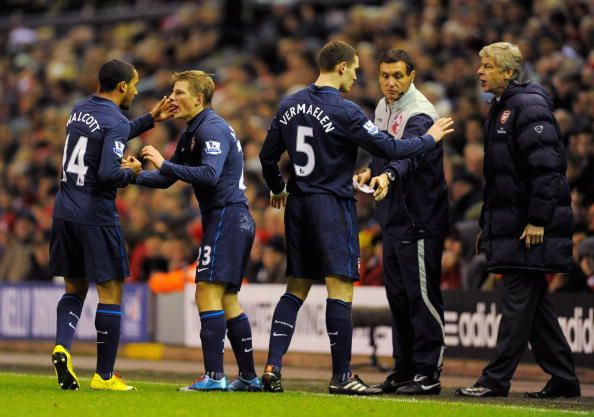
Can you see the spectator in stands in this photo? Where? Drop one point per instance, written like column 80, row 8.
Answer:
column 372, row 272
column 586, row 261
column 451, row 274
column 576, row 279
column 273, row 269
column 465, row 195
column 46, row 69
column 17, row 261
column 39, row 270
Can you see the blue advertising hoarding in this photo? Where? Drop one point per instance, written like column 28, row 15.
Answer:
column 28, row 311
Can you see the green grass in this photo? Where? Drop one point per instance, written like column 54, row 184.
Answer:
column 39, row 396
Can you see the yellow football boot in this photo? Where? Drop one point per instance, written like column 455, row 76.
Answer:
column 62, row 362
column 115, row 383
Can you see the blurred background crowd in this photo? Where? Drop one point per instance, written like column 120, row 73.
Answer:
column 259, row 52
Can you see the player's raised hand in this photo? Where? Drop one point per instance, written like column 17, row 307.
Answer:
column 152, row 155
column 362, row 177
column 440, row 128
column 381, row 183
column 163, row 110
column 279, row 200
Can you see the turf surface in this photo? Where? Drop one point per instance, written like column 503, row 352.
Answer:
column 39, row 395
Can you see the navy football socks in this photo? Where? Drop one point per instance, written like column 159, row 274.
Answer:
column 239, row 333
column 108, row 319
column 282, row 328
column 339, row 325
column 212, row 335
column 68, row 313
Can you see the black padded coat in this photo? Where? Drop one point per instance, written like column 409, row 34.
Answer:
column 524, row 169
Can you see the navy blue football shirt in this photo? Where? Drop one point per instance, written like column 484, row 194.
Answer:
column 208, row 156
column 96, row 135
column 321, row 132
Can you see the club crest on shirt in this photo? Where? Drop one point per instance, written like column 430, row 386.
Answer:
column 212, row 147
column 396, row 125
column 505, row 116
column 119, row 149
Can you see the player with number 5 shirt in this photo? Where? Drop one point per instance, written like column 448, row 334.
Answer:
column 321, row 132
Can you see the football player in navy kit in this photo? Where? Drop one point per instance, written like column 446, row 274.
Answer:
column 209, row 156
column 321, row 133
column 86, row 240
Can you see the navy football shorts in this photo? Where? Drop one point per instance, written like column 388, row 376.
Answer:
column 322, row 237
column 96, row 253
column 228, row 236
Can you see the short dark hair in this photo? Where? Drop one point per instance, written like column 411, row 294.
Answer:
column 114, row 72
column 397, row 55
column 333, row 53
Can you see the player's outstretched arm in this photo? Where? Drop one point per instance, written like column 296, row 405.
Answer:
column 154, row 179
column 151, row 179
column 415, row 126
column 364, row 133
column 206, row 174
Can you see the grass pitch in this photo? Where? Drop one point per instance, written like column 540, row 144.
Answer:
column 38, row 395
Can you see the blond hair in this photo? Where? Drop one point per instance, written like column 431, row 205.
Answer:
column 200, row 82
column 507, row 56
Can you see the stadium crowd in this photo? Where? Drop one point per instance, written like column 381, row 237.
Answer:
column 260, row 52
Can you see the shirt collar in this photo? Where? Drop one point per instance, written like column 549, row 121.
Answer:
column 194, row 122
column 324, row 89
column 105, row 101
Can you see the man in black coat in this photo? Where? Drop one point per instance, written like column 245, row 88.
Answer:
column 526, row 225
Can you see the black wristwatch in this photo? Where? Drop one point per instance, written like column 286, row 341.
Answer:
column 391, row 176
